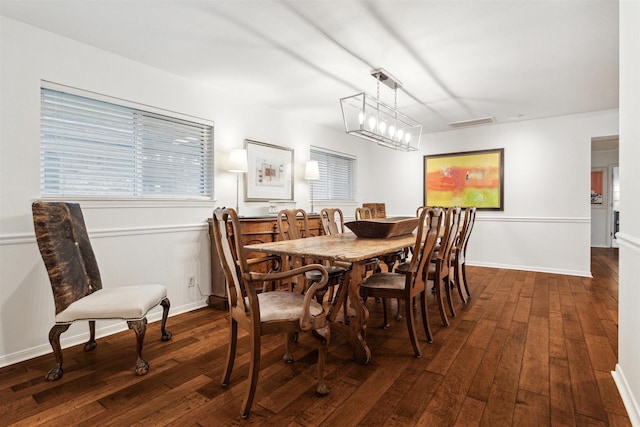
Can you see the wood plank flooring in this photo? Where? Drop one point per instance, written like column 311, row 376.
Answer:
column 530, row 349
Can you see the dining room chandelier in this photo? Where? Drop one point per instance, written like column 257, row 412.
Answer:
column 369, row 118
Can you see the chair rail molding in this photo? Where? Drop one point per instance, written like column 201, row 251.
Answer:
column 628, row 241
column 27, row 238
column 496, row 218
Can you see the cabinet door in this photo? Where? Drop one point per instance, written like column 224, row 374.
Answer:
column 218, row 297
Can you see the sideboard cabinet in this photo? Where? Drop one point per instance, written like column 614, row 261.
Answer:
column 254, row 230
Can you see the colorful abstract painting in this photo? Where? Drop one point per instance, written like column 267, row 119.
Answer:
column 474, row 178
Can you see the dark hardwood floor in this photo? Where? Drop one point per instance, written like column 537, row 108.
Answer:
column 530, row 349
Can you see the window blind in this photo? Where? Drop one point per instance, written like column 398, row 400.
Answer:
column 94, row 148
column 337, row 176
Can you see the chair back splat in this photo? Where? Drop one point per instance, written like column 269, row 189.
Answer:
column 460, row 253
column 363, row 213
column 293, row 224
column 332, row 221
column 443, row 261
column 77, row 287
column 262, row 313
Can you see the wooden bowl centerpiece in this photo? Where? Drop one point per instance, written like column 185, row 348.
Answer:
column 383, row 227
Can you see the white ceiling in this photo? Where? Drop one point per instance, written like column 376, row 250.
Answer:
column 458, row 60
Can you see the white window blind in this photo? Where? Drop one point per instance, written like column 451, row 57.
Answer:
column 94, row 148
column 337, row 176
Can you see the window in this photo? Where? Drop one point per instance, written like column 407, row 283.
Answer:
column 337, row 176
column 94, row 148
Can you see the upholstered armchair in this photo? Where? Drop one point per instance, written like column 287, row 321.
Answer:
column 77, row 287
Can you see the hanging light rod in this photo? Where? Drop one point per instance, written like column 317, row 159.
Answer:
column 386, row 78
column 369, row 118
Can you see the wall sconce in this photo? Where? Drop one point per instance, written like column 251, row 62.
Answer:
column 311, row 172
column 238, row 164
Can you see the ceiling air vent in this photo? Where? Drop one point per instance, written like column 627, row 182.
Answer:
column 472, row 122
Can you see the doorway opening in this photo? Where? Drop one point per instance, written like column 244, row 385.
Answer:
column 605, row 200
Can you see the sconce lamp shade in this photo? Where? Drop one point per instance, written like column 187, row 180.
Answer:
column 311, row 170
column 238, row 160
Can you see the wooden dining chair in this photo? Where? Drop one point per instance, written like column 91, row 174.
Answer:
column 459, row 254
column 412, row 282
column 363, row 213
column 333, row 223
column 392, row 259
column 294, row 224
column 265, row 313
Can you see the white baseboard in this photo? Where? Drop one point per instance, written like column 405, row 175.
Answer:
column 628, row 399
column 532, row 268
column 81, row 338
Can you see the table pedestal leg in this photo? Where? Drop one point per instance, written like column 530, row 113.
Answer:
column 358, row 325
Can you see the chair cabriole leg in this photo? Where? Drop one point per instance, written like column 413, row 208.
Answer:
column 56, row 372
column 412, row 329
column 323, row 335
column 459, row 280
column 438, row 284
column 231, row 353
column 254, row 370
column 140, row 328
column 91, row 344
column 288, row 338
column 425, row 317
column 166, row 335
column 448, row 284
column 464, row 278
column 385, row 308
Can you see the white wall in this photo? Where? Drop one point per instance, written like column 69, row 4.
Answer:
column 547, row 179
column 135, row 242
column 545, row 225
column 627, row 373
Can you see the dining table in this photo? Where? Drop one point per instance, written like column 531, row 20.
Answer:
column 344, row 247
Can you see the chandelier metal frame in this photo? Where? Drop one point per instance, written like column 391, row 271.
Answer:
column 369, row 118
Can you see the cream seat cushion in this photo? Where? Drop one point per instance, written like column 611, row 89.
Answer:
column 283, row 305
column 126, row 302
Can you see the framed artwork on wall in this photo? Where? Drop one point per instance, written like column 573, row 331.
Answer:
column 270, row 172
column 597, row 188
column 472, row 178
